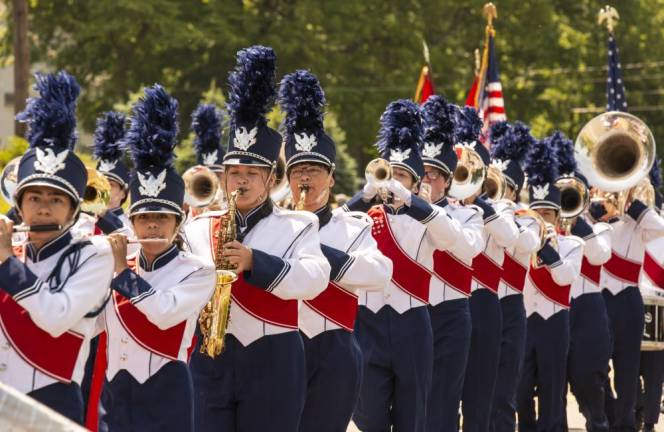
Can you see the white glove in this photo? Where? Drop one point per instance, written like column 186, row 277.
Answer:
column 369, row 191
column 399, row 191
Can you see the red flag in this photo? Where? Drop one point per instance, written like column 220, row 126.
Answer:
column 471, row 99
column 424, row 86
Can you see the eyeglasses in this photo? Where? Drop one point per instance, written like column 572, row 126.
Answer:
column 434, row 175
column 308, row 171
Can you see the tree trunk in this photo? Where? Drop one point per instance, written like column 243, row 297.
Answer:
column 21, row 60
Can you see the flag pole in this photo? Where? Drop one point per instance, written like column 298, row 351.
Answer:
column 424, row 73
column 490, row 12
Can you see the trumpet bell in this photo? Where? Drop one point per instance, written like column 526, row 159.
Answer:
column 615, row 150
column 380, row 170
column 574, row 197
column 495, row 184
column 200, row 186
column 469, row 174
column 280, row 192
column 97, row 193
column 9, row 180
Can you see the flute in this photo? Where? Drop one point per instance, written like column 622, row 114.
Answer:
column 36, row 228
column 146, row 240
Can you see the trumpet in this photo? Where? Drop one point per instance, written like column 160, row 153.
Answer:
column 547, row 232
column 97, row 193
column 379, row 172
column 574, row 200
column 469, row 174
column 304, row 190
column 200, row 186
column 495, row 184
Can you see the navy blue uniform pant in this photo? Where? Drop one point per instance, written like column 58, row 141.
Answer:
column 626, row 322
column 260, row 387
column 164, row 402
column 334, row 374
column 588, row 362
column 544, row 374
column 513, row 343
column 451, row 325
column 398, row 354
column 652, row 373
column 482, row 368
column 63, row 398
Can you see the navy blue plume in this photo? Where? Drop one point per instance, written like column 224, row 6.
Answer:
column 252, row 86
column 468, row 126
column 498, row 131
column 400, row 127
column 206, row 124
column 510, row 142
column 542, row 163
column 565, row 152
column 656, row 174
column 438, row 117
column 303, row 100
column 154, row 127
column 108, row 135
column 52, row 115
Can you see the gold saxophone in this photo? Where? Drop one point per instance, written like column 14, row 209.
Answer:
column 214, row 317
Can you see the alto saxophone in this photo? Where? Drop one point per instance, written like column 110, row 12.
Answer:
column 304, row 190
column 214, row 317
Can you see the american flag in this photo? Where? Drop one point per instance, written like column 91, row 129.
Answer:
column 489, row 99
column 615, row 88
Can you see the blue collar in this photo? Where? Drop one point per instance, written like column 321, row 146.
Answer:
column 119, row 211
column 401, row 210
column 254, row 215
column 442, row 202
column 50, row 248
column 160, row 261
column 324, row 215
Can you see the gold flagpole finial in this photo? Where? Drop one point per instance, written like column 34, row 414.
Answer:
column 425, row 51
column 490, row 13
column 608, row 15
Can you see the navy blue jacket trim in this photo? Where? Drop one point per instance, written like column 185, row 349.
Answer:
column 421, row 210
column 339, row 261
column 297, row 237
column 267, row 270
column 132, row 286
column 636, row 210
column 109, row 222
column 17, row 279
column 357, row 203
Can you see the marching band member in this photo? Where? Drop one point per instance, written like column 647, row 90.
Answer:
column 452, row 272
column 546, row 298
column 651, row 283
column 54, row 286
column 259, row 382
column 109, row 153
column 206, row 122
column 394, row 327
column 589, row 349
column 510, row 142
column 624, row 304
column 500, row 232
column 158, row 292
column 332, row 354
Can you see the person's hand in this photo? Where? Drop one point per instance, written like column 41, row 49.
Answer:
column 425, row 192
column 370, row 190
column 6, row 232
column 118, row 244
column 237, row 254
column 399, row 191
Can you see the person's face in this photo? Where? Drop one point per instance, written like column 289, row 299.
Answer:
column 44, row 205
column 118, row 194
column 318, row 180
column 254, row 184
column 405, row 178
column 438, row 181
column 549, row 215
column 154, row 225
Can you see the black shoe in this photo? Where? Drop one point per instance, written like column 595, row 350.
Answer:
column 649, row 427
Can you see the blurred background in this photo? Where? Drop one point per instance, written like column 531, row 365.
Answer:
column 552, row 58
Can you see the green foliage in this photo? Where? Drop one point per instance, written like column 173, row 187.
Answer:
column 552, row 55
